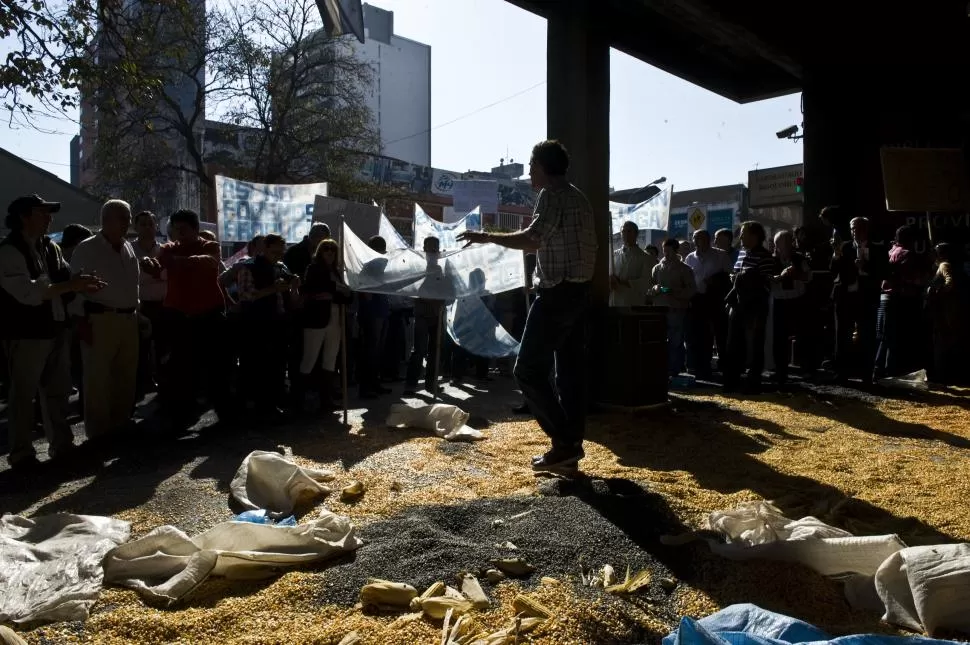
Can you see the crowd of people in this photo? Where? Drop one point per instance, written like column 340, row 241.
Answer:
column 850, row 308
column 116, row 318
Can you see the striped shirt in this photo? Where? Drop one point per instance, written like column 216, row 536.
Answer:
column 751, row 263
column 757, row 259
column 563, row 227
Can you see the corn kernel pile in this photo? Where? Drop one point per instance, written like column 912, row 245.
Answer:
column 872, row 468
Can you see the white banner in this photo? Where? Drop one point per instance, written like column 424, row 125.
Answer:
column 245, row 209
column 409, row 273
column 469, row 194
column 447, row 234
column 394, row 240
column 653, row 214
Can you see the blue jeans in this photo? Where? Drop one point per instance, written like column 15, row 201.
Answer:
column 556, row 336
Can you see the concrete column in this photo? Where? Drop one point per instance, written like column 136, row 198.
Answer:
column 851, row 113
column 578, row 113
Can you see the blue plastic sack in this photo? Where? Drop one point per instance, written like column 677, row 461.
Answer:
column 750, row 625
column 260, row 517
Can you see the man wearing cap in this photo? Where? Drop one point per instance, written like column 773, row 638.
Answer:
column 35, row 285
column 107, row 322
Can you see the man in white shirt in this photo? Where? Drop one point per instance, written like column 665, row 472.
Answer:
column 632, row 267
column 108, row 322
column 674, row 287
column 707, row 320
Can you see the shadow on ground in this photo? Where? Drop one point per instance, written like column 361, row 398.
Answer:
column 670, row 440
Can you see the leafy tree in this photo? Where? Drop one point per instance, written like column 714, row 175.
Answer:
column 299, row 94
column 289, row 99
column 46, row 54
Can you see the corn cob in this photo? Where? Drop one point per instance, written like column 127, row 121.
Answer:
column 384, row 595
column 438, row 606
column 436, row 589
column 530, row 607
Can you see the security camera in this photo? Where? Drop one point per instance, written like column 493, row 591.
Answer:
column 788, row 132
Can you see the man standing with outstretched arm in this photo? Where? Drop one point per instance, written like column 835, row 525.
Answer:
column 563, row 235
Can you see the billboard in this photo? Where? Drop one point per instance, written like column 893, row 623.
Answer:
column 774, row 185
column 708, row 217
column 245, row 209
column 471, row 194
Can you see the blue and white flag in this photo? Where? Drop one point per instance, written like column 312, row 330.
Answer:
column 653, row 214
column 425, row 226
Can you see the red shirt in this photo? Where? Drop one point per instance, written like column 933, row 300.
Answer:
column 193, row 276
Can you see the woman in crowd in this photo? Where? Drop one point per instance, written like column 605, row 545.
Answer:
column 949, row 312
column 899, row 324
column 323, row 290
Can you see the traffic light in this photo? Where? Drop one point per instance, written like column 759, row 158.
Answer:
column 799, row 184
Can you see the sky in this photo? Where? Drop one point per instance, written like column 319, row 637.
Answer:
column 488, row 102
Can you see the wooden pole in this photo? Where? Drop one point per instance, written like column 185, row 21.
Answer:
column 437, row 353
column 343, row 329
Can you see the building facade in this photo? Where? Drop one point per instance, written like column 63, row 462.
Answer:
column 400, row 94
column 20, row 177
column 173, row 120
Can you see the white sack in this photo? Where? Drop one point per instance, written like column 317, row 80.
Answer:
column 922, row 588
column 758, row 530
column 50, row 566
column 167, row 564
column 446, row 421
column 927, row 588
column 912, row 381
column 268, row 480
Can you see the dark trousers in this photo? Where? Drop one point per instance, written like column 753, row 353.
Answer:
column 701, row 331
column 373, row 335
column 555, row 337
column 746, row 345
column 264, row 359
column 152, row 347
column 785, row 323
column 197, row 362
column 460, row 360
column 293, row 348
column 395, row 344
column 425, row 346
column 900, row 335
column 860, row 310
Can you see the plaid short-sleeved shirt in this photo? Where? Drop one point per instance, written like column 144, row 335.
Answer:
column 563, row 227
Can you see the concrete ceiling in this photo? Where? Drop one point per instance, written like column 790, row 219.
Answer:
column 755, row 49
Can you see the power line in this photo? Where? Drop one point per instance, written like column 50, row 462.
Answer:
column 410, row 136
column 465, row 116
column 49, row 163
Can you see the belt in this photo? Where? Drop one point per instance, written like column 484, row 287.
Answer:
column 96, row 308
